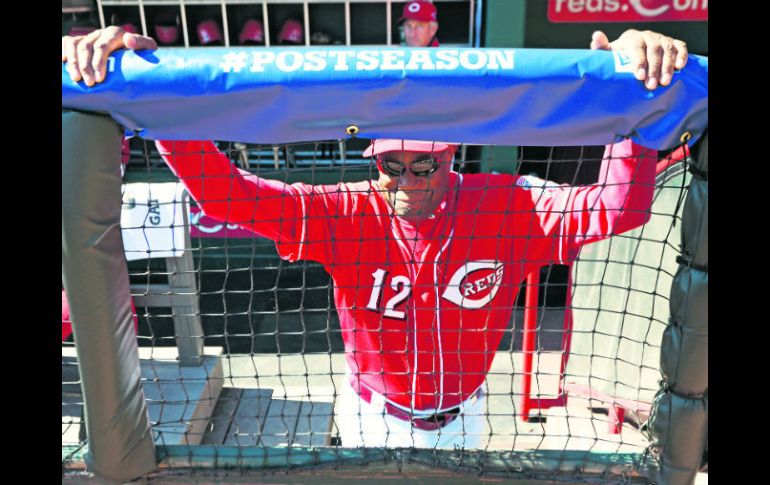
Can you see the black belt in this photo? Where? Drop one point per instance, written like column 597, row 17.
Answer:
column 426, row 423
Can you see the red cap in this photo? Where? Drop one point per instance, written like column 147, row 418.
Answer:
column 292, row 32
column 252, row 31
column 125, row 24
column 166, row 34
column 209, row 32
column 419, row 10
column 167, row 29
column 384, row 145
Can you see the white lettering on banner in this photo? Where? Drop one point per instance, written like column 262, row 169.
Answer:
column 420, row 59
column 500, row 59
column 258, row 60
column 367, row 61
column 465, row 60
column 283, row 63
column 392, row 60
column 342, row 59
column 315, row 60
column 449, row 61
column 232, row 62
column 464, row 287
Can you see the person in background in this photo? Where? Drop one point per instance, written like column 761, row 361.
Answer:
column 420, row 23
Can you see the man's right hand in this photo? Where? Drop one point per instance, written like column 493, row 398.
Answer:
column 86, row 55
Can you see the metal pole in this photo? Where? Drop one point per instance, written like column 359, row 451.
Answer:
column 475, row 34
column 389, row 22
column 142, row 18
column 347, row 22
column 225, row 24
column 265, row 23
column 184, row 23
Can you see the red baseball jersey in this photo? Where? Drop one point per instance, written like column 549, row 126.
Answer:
column 423, row 306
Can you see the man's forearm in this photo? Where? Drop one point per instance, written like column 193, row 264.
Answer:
column 228, row 194
column 627, row 181
column 618, row 202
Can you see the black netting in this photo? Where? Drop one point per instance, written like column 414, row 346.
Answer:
column 435, row 320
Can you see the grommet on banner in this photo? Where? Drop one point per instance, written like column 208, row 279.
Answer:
column 685, row 137
column 351, row 130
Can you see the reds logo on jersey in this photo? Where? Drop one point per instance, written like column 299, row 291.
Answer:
column 474, row 284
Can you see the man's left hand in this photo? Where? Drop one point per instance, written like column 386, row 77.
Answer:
column 655, row 55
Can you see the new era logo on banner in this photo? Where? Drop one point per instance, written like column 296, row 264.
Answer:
column 622, row 62
column 627, row 10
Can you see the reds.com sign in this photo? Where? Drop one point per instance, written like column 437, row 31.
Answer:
column 627, row 10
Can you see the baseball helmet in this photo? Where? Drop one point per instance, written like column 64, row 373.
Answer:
column 127, row 25
column 130, row 27
column 291, row 32
column 209, row 32
column 321, row 38
column 167, row 29
column 252, row 32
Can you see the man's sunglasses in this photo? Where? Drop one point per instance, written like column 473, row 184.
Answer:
column 396, row 168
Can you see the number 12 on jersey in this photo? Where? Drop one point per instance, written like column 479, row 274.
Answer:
column 400, row 284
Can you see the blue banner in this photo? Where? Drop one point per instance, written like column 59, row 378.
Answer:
column 479, row 96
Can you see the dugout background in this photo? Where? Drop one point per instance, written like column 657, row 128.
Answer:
column 246, row 293
column 233, row 271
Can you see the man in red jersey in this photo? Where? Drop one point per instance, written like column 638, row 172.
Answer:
column 426, row 262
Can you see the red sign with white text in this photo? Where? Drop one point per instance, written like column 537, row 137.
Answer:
column 627, row 10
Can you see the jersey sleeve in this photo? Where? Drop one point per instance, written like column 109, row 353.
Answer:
column 571, row 216
column 287, row 214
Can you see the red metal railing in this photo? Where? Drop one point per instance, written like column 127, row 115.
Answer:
column 529, row 348
column 616, row 406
